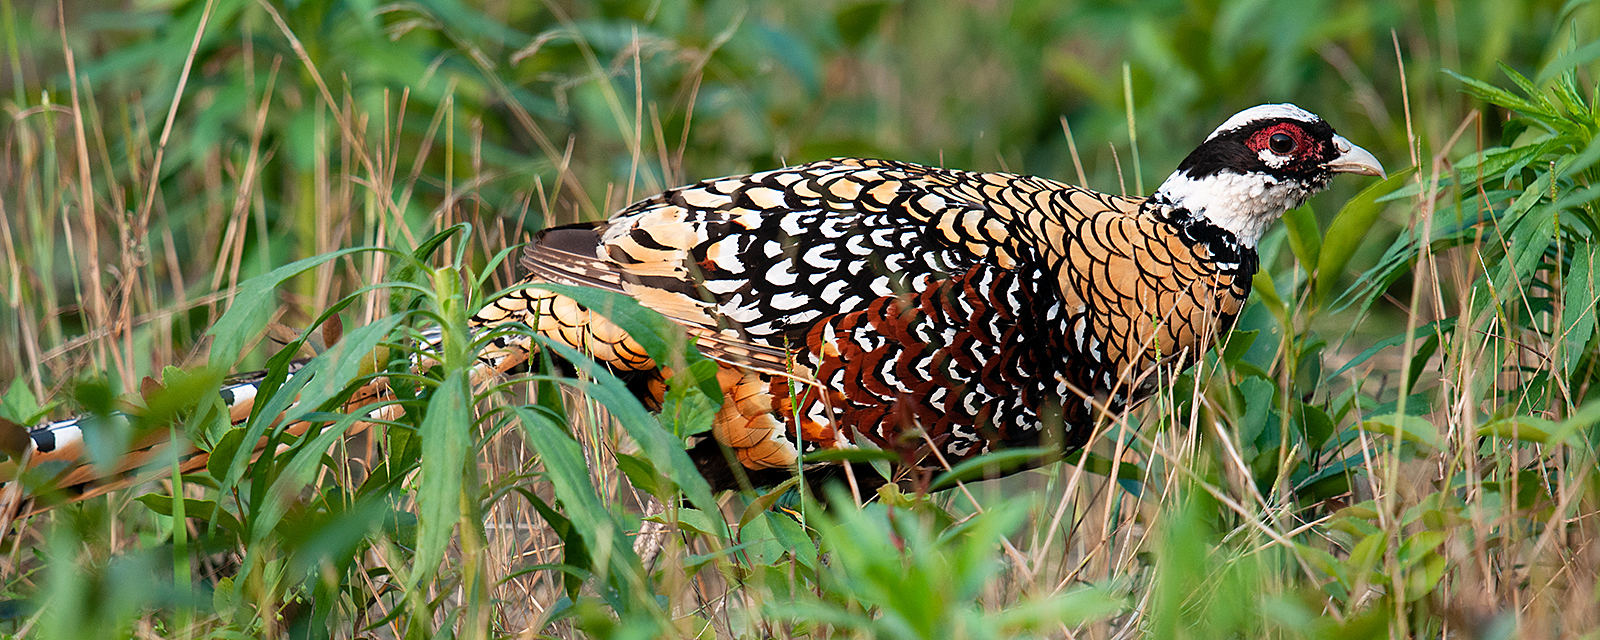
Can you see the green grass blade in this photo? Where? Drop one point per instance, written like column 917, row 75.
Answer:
column 664, row 451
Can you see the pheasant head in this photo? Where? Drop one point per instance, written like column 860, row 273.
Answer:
column 1260, row 163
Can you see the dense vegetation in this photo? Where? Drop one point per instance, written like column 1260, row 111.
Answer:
column 1397, row 440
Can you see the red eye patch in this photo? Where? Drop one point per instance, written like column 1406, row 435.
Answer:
column 1302, row 142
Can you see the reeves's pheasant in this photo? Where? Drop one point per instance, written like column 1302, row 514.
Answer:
column 920, row 306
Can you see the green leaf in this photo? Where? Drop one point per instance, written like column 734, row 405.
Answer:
column 1407, row 427
column 201, row 510
column 850, row 455
column 692, row 563
column 1524, row 428
column 1421, row 581
column 568, row 473
column 446, row 439
column 793, row 537
column 1495, row 95
column 685, row 409
column 1305, row 239
column 1419, row 546
column 1432, row 328
column 642, row 475
column 1260, row 398
column 344, row 363
column 1528, row 243
column 332, row 371
column 1315, row 425
column 693, row 520
column 1419, row 359
column 574, row 551
column 1237, row 343
column 1368, row 553
column 20, row 406
column 989, row 465
column 764, row 502
column 663, row 449
column 764, row 548
column 1567, row 62
column 106, row 432
column 1266, row 291
column 1348, row 229
column 1585, row 417
column 179, row 392
column 1054, row 612
column 298, row 472
column 1579, row 306
column 222, row 454
column 253, row 306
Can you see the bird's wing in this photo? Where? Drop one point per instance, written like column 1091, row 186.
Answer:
column 551, row 262
column 749, row 263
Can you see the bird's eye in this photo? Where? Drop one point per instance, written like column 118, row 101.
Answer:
column 1281, row 143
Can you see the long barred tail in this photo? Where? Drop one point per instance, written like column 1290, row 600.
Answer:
column 60, row 450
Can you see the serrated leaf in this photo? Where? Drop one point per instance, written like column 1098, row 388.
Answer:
column 1260, row 397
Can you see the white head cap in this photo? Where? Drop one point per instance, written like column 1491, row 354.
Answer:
column 1264, row 112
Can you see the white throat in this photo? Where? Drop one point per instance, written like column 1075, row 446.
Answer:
column 1243, row 204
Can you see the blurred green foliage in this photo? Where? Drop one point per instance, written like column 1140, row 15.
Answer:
column 722, row 87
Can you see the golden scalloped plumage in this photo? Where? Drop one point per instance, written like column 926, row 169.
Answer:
column 907, row 301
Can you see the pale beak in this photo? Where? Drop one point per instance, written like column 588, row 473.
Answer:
column 1354, row 159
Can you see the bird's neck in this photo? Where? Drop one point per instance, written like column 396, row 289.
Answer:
column 1241, row 205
